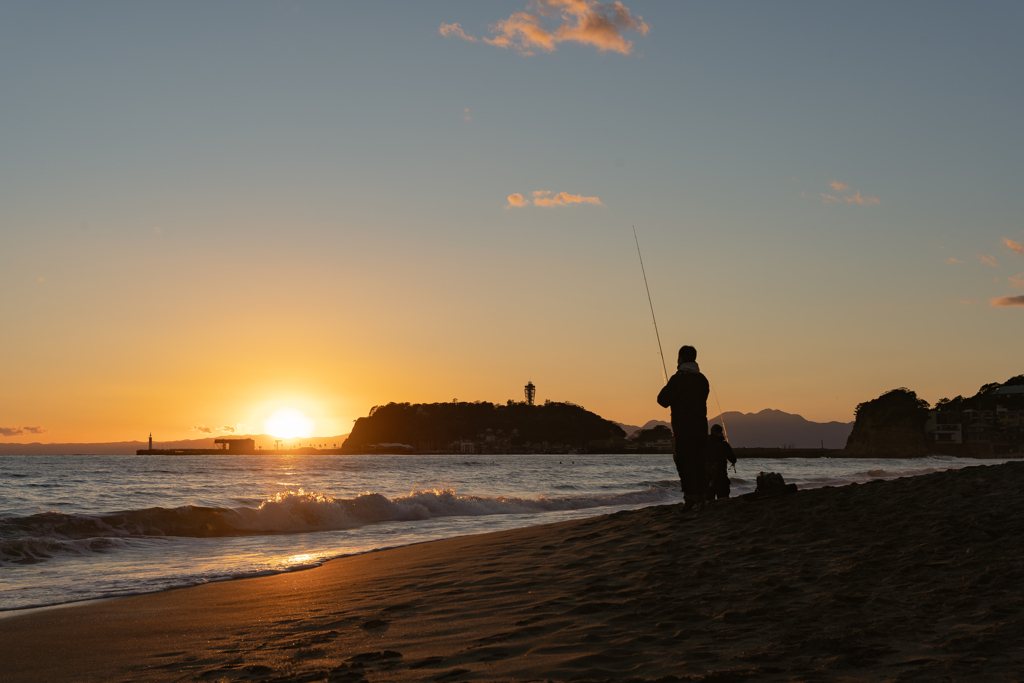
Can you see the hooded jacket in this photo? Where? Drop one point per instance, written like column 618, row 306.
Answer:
column 687, row 395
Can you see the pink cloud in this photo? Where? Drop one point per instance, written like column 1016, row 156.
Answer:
column 1017, row 280
column 1008, row 301
column 565, row 199
column 587, row 22
column 988, row 260
column 1013, row 246
column 524, row 32
column 863, row 201
column 515, row 200
column 838, row 186
column 952, row 260
column 541, row 193
column 465, row 114
column 449, row 30
column 827, row 198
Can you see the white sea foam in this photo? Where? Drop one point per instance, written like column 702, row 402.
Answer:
column 881, row 473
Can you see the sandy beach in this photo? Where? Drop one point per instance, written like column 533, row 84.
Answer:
column 905, row 580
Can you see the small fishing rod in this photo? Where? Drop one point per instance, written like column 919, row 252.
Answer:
column 664, row 369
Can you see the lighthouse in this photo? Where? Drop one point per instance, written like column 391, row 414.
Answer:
column 531, row 391
column 151, row 441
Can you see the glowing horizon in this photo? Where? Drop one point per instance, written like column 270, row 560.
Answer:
column 289, row 423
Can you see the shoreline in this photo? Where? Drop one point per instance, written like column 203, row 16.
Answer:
column 909, row 579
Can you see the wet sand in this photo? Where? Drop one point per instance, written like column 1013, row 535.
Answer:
column 918, row 579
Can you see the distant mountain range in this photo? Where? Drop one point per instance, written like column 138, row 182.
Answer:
column 772, row 429
column 265, row 441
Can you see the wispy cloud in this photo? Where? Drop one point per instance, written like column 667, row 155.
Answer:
column 1010, row 245
column 587, row 22
column 15, row 431
column 863, row 201
column 544, row 198
column 1008, row 301
column 952, row 260
column 239, row 428
column 449, row 30
column 203, row 429
column 840, row 188
column 988, row 260
column 156, row 230
column 465, row 114
column 565, row 199
column 515, row 200
column 1016, row 281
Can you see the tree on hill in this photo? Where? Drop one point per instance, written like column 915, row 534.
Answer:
column 657, row 433
column 985, row 399
column 891, row 425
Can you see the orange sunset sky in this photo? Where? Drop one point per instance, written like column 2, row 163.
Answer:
column 211, row 212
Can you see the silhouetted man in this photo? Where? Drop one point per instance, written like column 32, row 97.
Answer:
column 687, row 395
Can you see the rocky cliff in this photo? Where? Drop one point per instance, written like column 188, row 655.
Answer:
column 891, row 425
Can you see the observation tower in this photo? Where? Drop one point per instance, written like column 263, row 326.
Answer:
column 531, row 391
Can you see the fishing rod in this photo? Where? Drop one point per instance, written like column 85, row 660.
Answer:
column 664, row 370
column 721, row 418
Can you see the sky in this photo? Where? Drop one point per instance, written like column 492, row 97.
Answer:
column 213, row 211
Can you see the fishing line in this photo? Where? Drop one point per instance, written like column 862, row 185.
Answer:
column 721, row 415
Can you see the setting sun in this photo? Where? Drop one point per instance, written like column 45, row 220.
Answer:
column 288, row 423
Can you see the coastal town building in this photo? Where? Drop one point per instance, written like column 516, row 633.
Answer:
column 976, row 432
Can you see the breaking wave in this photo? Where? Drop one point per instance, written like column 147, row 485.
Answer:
column 893, row 474
column 35, row 538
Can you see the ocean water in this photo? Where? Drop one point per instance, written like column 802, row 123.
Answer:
column 82, row 527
